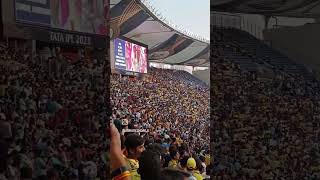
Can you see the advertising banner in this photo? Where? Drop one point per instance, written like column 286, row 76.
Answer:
column 69, row 38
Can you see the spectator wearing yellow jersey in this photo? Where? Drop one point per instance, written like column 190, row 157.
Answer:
column 192, row 168
column 134, row 147
column 175, row 156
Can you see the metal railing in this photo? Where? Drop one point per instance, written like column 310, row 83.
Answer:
column 225, row 20
column 236, row 21
column 156, row 12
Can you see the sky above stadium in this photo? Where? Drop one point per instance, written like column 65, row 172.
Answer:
column 189, row 14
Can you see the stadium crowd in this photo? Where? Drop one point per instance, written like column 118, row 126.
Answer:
column 264, row 127
column 174, row 108
column 52, row 117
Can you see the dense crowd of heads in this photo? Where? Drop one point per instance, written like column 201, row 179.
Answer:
column 53, row 112
column 263, row 127
column 174, row 108
column 52, row 117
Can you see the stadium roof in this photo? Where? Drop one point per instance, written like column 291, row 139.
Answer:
column 134, row 20
column 286, row 8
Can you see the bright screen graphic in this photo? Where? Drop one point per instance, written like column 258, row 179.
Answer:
column 87, row 16
column 130, row 56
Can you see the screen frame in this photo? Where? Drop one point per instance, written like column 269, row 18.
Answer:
column 137, row 43
column 48, row 27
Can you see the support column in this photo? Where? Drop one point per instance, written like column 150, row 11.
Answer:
column 33, row 48
column 266, row 21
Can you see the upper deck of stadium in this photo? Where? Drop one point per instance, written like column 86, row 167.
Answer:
column 133, row 19
column 292, row 8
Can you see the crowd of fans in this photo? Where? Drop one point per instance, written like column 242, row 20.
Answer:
column 53, row 114
column 263, row 127
column 174, row 109
column 52, row 117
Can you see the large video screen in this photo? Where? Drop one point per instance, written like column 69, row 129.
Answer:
column 130, row 56
column 86, row 16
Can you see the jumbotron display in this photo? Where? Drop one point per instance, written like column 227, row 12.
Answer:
column 130, row 56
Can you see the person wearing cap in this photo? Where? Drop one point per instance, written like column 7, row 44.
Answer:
column 183, row 167
column 192, row 168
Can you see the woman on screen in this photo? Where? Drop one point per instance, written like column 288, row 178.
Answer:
column 75, row 14
column 136, row 58
column 98, row 20
column 55, row 15
column 65, row 14
column 138, row 52
column 128, row 56
column 143, row 66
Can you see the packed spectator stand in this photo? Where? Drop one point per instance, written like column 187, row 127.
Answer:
column 52, row 117
column 264, row 122
column 174, row 107
column 265, row 125
column 252, row 54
